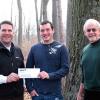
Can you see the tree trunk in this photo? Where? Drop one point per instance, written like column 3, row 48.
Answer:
column 11, row 10
column 78, row 12
column 37, row 21
column 20, row 23
column 44, row 14
column 57, row 20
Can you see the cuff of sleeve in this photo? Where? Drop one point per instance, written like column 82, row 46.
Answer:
column 3, row 79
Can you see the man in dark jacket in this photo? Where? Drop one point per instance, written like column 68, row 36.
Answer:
column 11, row 58
column 52, row 59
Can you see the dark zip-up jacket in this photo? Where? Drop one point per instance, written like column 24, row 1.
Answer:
column 10, row 61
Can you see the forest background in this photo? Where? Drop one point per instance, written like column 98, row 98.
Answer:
column 68, row 17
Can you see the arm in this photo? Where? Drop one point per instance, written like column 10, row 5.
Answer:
column 64, row 65
column 30, row 64
column 80, row 95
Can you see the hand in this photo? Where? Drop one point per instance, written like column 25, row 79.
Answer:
column 43, row 75
column 34, row 93
column 80, row 97
column 13, row 77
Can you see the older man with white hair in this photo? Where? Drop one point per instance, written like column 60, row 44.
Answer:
column 90, row 62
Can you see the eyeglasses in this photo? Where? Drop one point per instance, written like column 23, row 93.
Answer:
column 92, row 29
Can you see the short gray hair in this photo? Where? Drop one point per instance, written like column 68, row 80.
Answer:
column 91, row 21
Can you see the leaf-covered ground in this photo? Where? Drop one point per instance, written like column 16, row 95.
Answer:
column 27, row 96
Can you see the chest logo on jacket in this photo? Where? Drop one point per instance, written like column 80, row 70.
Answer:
column 53, row 50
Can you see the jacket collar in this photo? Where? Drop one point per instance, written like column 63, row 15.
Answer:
column 3, row 47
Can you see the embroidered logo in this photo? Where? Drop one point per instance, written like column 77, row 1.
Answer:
column 53, row 50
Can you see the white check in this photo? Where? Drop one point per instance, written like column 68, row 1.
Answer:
column 28, row 72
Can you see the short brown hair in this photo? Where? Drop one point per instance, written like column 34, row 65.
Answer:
column 46, row 22
column 6, row 22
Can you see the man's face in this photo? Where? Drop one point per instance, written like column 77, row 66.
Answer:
column 92, row 32
column 46, row 33
column 6, row 33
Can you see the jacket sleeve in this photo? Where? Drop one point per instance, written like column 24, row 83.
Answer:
column 64, row 65
column 30, row 64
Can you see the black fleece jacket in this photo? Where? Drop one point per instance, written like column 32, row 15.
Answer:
column 10, row 61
